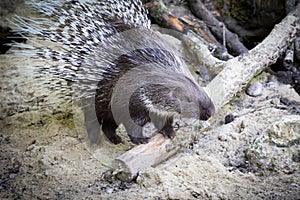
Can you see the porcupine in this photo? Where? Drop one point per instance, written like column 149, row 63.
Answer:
column 120, row 63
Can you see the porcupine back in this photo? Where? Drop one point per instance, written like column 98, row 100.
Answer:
column 80, row 29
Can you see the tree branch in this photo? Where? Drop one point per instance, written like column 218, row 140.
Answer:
column 217, row 27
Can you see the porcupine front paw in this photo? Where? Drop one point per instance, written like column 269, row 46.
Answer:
column 139, row 140
column 168, row 131
column 109, row 129
column 115, row 139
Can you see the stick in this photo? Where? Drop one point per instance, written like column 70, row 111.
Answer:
column 158, row 149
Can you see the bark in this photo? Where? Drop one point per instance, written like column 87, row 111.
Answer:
column 209, row 65
column 128, row 165
column 202, row 30
column 182, row 20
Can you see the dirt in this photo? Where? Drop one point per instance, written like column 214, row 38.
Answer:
column 43, row 155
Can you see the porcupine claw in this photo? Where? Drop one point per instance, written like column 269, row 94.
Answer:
column 139, row 140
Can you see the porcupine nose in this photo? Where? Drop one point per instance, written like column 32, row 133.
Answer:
column 207, row 112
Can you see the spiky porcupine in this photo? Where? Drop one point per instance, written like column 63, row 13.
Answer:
column 132, row 75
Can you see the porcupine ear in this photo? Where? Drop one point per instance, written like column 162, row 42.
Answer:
column 170, row 101
column 175, row 101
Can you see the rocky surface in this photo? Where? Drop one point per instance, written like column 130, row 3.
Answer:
column 278, row 148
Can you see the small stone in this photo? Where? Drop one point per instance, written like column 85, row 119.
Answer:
column 275, row 101
column 284, row 101
column 222, row 137
column 229, row 118
column 12, row 176
column 294, row 185
column 254, row 90
column 123, row 186
column 30, row 147
column 109, row 190
column 195, row 194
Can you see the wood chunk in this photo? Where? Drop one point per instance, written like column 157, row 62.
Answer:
column 157, row 150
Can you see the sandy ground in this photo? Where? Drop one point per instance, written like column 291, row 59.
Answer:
column 43, row 157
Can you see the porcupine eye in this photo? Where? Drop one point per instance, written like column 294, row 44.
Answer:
column 188, row 99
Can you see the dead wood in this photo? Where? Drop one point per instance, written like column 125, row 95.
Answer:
column 237, row 73
column 163, row 17
column 128, row 165
column 217, row 27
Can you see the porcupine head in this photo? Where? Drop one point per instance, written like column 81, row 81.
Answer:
column 123, row 72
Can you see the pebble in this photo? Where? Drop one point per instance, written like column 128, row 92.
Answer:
column 30, row 147
column 294, row 185
column 284, row 101
column 12, row 176
column 109, row 190
column 254, row 90
column 222, row 137
column 229, row 118
column 275, row 101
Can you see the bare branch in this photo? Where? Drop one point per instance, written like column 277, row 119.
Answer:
column 216, row 26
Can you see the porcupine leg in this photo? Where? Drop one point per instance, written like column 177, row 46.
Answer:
column 167, row 129
column 135, row 131
column 136, row 135
column 109, row 127
column 90, row 121
column 139, row 116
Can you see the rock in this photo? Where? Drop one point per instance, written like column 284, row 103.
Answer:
column 275, row 101
column 229, row 118
column 254, row 90
column 222, row 137
column 294, row 185
column 12, row 176
column 109, row 190
column 278, row 147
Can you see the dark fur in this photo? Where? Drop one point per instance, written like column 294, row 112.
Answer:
column 161, row 95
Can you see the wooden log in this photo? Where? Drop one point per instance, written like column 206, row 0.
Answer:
column 127, row 166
